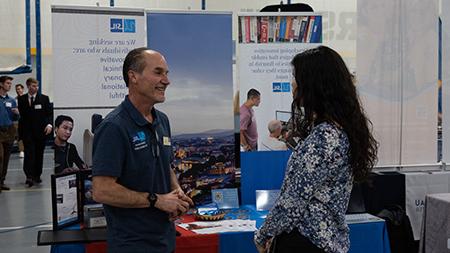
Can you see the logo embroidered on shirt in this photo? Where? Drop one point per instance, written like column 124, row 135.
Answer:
column 139, row 141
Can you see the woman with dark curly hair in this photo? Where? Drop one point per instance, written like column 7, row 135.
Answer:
column 337, row 148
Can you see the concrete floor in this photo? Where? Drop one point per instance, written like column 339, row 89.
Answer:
column 24, row 211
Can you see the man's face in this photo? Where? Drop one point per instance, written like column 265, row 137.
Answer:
column 6, row 86
column 153, row 80
column 19, row 91
column 33, row 88
column 256, row 100
column 64, row 131
column 278, row 132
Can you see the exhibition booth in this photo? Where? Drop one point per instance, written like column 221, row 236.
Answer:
column 198, row 47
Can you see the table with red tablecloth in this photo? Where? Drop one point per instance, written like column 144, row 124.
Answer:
column 187, row 242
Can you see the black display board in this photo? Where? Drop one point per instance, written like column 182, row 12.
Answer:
column 66, row 204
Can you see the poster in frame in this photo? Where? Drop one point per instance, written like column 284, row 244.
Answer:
column 66, row 208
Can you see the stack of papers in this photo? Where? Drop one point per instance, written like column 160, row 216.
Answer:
column 361, row 218
column 223, row 226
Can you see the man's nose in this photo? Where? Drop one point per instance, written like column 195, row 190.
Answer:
column 165, row 80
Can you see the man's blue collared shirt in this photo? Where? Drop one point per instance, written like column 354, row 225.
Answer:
column 7, row 116
column 138, row 154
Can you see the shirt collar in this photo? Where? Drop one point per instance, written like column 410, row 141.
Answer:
column 136, row 116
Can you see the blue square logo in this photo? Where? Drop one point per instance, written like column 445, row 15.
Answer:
column 276, row 87
column 129, row 25
column 116, row 25
column 286, row 87
column 141, row 135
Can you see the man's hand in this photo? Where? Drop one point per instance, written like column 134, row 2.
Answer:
column 69, row 169
column 184, row 197
column 172, row 204
column 48, row 130
column 15, row 110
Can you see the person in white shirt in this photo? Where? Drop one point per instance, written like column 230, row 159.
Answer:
column 271, row 142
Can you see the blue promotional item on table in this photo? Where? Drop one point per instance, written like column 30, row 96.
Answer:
column 209, row 212
column 225, row 198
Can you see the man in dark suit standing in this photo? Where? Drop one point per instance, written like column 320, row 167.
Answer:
column 34, row 126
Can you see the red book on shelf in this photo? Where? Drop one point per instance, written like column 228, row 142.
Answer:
column 264, row 35
column 247, row 29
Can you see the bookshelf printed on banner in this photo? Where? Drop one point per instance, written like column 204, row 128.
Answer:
column 272, row 29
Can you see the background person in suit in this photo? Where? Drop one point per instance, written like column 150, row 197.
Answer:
column 34, row 126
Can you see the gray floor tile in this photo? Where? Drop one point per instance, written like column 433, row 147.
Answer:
column 24, row 211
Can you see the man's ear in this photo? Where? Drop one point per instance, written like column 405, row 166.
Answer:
column 132, row 76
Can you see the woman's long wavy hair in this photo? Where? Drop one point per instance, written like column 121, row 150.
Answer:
column 326, row 91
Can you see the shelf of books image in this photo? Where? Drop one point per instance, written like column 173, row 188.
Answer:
column 267, row 42
column 280, row 28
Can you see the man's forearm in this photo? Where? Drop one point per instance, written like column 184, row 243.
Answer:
column 174, row 181
column 243, row 141
column 107, row 191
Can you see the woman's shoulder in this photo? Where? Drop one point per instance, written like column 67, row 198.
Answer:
column 327, row 127
column 329, row 133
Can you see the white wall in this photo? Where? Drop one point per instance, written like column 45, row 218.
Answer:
column 12, row 41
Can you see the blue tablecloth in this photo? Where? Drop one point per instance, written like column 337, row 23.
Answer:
column 369, row 237
column 69, row 248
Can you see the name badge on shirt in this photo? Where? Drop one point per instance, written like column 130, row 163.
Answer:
column 166, row 141
column 8, row 104
column 38, row 106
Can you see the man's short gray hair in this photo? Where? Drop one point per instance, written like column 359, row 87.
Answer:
column 274, row 125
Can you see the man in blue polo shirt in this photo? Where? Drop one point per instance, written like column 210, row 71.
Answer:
column 131, row 162
column 8, row 114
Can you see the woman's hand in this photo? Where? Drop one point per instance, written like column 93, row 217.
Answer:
column 265, row 248
column 260, row 248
